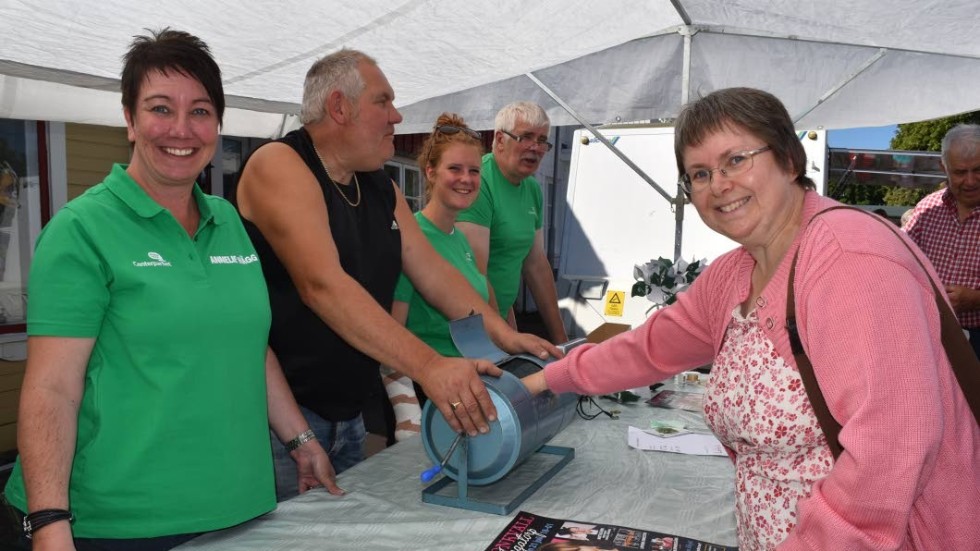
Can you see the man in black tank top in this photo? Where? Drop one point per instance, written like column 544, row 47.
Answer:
column 333, row 233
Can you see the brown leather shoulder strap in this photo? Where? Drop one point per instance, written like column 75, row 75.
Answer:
column 966, row 366
column 829, row 425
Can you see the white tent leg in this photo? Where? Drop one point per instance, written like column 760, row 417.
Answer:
column 687, row 33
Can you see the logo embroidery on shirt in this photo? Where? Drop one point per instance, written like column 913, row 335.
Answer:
column 234, row 259
column 394, row 224
column 532, row 211
column 156, row 260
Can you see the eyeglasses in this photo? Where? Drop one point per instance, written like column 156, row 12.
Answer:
column 449, row 130
column 736, row 164
column 530, row 141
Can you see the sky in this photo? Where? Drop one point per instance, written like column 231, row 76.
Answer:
column 877, row 137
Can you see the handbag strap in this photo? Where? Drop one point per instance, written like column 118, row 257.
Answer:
column 966, row 366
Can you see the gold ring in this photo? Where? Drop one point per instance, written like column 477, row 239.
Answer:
column 455, row 405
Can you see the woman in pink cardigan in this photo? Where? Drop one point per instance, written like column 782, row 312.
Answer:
column 909, row 476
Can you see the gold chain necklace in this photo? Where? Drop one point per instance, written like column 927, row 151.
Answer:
column 357, row 185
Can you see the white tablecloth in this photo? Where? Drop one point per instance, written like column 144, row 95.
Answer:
column 606, row 482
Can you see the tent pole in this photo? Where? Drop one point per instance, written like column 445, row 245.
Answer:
column 600, row 137
column 281, row 131
column 687, row 33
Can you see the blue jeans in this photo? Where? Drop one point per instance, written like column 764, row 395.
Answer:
column 343, row 442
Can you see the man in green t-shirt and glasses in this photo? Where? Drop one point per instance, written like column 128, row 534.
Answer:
column 504, row 224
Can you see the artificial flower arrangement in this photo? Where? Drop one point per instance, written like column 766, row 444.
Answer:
column 661, row 280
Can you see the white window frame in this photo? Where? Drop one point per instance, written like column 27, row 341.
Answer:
column 401, row 168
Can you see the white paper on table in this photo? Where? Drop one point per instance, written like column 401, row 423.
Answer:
column 690, row 444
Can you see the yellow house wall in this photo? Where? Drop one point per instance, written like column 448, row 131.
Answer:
column 91, row 152
column 11, row 376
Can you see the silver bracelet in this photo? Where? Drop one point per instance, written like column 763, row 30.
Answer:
column 303, row 438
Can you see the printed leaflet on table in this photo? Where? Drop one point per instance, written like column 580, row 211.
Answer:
column 530, row 532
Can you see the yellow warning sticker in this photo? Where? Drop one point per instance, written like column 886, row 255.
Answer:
column 614, row 303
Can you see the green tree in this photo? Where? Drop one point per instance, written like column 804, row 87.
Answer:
column 904, row 196
column 928, row 135
column 853, row 194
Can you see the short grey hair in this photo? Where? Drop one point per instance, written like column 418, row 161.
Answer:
column 965, row 137
column 337, row 71
column 526, row 111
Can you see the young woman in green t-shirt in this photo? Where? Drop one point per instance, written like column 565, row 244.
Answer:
column 450, row 160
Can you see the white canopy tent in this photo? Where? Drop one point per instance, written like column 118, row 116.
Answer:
column 835, row 63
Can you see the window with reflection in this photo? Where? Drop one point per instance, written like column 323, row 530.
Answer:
column 409, row 180
column 18, row 198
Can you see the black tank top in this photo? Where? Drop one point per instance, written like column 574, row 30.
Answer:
column 327, row 375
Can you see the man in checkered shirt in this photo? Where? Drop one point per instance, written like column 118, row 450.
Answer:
column 946, row 226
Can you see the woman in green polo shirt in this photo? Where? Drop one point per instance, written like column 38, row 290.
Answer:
column 149, row 390
column 450, row 160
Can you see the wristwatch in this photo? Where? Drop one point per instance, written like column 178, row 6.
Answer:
column 303, row 438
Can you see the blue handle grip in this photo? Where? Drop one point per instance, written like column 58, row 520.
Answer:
column 429, row 474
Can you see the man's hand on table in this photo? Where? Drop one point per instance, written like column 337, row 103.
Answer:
column 315, row 469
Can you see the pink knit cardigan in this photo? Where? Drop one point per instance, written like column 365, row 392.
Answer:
column 909, row 477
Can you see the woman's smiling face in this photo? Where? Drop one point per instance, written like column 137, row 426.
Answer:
column 752, row 207
column 455, row 180
column 174, row 130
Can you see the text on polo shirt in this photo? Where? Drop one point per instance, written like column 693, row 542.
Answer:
column 234, row 259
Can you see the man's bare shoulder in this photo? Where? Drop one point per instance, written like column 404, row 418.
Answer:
column 269, row 163
column 277, row 185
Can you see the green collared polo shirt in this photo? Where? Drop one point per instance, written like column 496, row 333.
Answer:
column 513, row 215
column 172, row 428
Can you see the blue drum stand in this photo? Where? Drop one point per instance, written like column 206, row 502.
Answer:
column 497, row 471
column 463, row 498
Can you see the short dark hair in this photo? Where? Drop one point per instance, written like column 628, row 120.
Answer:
column 169, row 50
column 760, row 113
